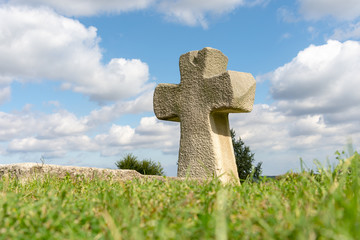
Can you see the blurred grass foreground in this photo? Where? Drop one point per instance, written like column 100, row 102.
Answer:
column 322, row 205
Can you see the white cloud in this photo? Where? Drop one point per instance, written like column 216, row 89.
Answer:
column 52, row 135
column 196, row 12
column 144, row 103
column 340, row 9
column 25, row 124
column 5, row 93
column 52, row 147
column 120, row 79
column 352, row 31
column 319, row 80
column 87, row 7
column 38, row 44
column 280, row 140
column 315, row 108
column 61, row 132
column 150, row 134
column 118, row 135
column 60, row 124
column 13, row 125
column 188, row 12
column 267, row 128
column 287, row 15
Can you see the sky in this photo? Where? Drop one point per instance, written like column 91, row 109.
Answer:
column 77, row 77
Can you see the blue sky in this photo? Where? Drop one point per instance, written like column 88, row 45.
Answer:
column 77, row 77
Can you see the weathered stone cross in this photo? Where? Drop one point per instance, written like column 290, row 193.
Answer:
column 207, row 93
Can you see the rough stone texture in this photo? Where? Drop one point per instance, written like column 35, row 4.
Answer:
column 207, row 93
column 26, row 171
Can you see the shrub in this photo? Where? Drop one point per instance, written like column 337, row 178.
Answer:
column 128, row 162
column 146, row 167
column 244, row 159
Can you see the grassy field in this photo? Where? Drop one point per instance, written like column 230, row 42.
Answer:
column 297, row 206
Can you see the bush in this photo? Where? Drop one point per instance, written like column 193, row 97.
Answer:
column 244, row 159
column 146, row 167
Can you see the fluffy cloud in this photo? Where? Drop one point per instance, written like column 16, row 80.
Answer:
column 50, row 148
column 37, row 44
column 51, row 135
column 25, row 124
column 268, row 129
column 315, row 108
column 347, row 12
column 151, row 133
column 193, row 12
column 319, row 80
column 280, row 140
column 5, row 93
column 196, row 12
column 111, row 112
column 59, row 133
column 341, row 9
column 87, row 7
column 352, row 31
column 188, row 12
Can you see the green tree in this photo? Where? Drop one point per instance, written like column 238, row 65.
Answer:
column 146, row 167
column 244, row 159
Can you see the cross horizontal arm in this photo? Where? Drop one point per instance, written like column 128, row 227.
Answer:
column 243, row 86
column 231, row 92
column 166, row 98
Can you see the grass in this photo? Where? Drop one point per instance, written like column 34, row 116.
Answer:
column 298, row 206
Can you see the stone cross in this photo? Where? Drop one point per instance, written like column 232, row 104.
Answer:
column 207, row 93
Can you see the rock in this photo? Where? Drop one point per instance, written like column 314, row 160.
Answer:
column 26, row 171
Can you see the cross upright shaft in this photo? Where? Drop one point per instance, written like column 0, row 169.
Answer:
column 207, row 93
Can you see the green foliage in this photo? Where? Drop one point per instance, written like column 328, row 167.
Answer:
column 296, row 207
column 146, row 167
column 128, row 162
column 244, row 159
